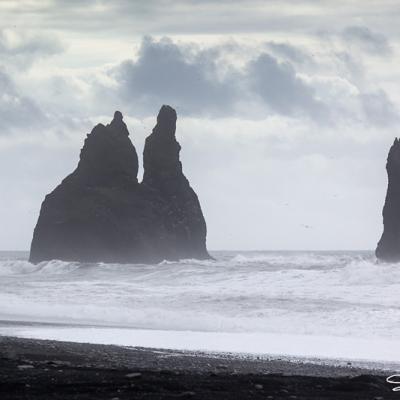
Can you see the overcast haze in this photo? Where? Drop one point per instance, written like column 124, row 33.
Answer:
column 286, row 109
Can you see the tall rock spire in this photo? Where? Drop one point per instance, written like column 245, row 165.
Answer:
column 389, row 245
column 108, row 156
column 162, row 168
column 163, row 174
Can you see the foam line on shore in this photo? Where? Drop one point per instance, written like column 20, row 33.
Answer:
column 381, row 353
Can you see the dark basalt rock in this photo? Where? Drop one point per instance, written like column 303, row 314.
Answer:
column 389, row 245
column 163, row 175
column 101, row 213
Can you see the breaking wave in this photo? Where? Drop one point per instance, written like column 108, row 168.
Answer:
column 332, row 293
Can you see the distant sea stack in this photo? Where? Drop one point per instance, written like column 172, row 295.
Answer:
column 101, row 213
column 389, row 246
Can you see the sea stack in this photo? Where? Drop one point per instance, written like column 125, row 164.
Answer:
column 101, row 213
column 163, row 175
column 389, row 245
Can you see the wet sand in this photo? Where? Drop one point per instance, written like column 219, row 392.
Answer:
column 43, row 369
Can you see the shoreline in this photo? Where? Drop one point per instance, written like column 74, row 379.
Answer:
column 336, row 351
column 48, row 369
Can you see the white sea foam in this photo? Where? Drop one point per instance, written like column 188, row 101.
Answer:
column 23, row 267
column 339, row 294
column 382, row 354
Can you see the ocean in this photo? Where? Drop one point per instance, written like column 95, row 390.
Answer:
column 338, row 305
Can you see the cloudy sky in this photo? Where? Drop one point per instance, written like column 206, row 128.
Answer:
column 286, row 109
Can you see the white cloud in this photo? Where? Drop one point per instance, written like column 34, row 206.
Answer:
column 373, row 42
column 17, row 111
column 19, row 48
column 280, row 125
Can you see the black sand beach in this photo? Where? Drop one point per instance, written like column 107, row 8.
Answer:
column 42, row 369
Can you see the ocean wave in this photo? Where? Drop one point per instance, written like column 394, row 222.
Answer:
column 224, row 259
column 303, row 316
column 190, row 261
column 307, row 292
column 23, row 267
